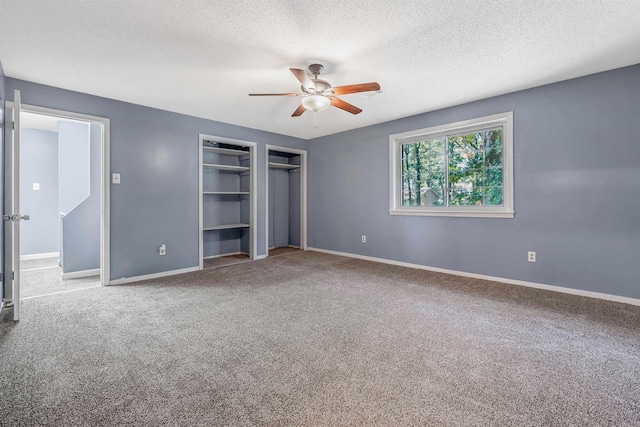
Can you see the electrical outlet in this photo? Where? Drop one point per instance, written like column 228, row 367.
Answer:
column 116, row 178
column 36, row 186
column 364, row 239
column 531, row 256
column 163, row 249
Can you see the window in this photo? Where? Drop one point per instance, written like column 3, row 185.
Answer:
column 459, row 169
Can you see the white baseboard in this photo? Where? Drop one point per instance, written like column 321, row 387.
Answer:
column 81, row 274
column 124, row 280
column 40, row 256
column 263, row 256
column 590, row 294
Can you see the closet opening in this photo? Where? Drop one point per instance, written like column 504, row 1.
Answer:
column 286, row 200
column 227, row 201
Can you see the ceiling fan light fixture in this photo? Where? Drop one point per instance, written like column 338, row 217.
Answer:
column 316, row 102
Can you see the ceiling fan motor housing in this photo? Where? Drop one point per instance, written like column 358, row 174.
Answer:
column 321, row 85
column 316, row 69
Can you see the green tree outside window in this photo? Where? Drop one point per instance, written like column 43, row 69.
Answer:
column 456, row 170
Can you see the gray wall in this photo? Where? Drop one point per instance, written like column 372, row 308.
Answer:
column 577, row 191
column 156, row 153
column 73, row 164
column 577, row 181
column 81, row 238
column 39, row 164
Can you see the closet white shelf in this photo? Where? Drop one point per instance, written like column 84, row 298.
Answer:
column 225, row 151
column 225, row 193
column 282, row 166
column 226, row 168
column 225, row 227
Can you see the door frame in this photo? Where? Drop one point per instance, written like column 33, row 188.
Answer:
column 303, row 194
column 105, row 152
column 11, row 206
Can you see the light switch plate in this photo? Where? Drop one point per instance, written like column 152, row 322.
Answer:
column 115, row 178
column 36, row 186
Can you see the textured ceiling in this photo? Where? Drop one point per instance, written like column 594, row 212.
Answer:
column 203, row 57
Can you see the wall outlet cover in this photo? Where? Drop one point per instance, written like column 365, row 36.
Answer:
column 116, row 178
column 36, row 186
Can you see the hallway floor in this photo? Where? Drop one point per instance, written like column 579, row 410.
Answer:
column 44, row 276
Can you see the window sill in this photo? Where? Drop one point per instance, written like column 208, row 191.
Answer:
column 449, row 213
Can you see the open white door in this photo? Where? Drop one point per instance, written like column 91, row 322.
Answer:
column 12, row 215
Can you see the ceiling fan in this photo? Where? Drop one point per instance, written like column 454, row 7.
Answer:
column 319, row 95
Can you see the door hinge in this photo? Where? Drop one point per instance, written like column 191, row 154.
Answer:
column 13, row 275
column 16, row 217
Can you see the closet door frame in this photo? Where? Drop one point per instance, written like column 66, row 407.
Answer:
column 303, row 193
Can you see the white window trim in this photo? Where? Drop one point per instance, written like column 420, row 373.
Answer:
column 395, row 169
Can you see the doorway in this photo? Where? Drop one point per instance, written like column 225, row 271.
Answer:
column 286, row 200
column 60, row 175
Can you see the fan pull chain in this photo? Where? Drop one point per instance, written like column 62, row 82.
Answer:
column 315, row 120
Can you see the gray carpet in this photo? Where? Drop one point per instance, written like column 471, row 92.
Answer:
column 314, row 339
column 44, row 277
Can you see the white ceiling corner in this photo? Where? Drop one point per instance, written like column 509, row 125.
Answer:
column 202, row 58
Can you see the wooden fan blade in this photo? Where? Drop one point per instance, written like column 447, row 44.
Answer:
column 364, row 87
column 273, row 94
column 303, row 78
column 299, row 111
column 337, row 102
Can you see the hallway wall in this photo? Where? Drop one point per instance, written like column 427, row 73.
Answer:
column 81, row 236
column 39, row 164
